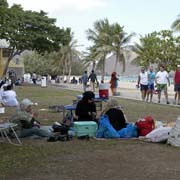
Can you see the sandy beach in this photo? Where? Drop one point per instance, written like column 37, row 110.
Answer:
column 126, row 89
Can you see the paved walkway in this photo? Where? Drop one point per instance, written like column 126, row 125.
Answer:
column 127, row 90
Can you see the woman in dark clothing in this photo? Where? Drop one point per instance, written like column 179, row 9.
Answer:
column 116, row 116
column 86, row 108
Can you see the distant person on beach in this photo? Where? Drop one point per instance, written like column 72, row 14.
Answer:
column 34, row 78
column 162, row 79
column 177, row 84
column 74, row 80
column 151, row 80
column 93, row 79
column 143, row 83
column 113, row 83
column 84, row 80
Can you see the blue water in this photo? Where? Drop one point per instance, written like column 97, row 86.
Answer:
column 125, row 79
column 121, row 78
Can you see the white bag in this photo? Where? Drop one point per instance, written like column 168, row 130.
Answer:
column 174, row 135
column 159, row 135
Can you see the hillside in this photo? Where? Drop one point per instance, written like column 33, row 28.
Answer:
column 130, row 70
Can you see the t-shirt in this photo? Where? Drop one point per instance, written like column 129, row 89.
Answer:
column 9, row 98
column 144, row 78
column 177, row 77
column 162, row 77
column 84, row 78
column 151, row 76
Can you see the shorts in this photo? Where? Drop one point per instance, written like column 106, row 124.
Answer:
column 151, row 86
column 161, row 87
column 144, row 87
column 177, row 87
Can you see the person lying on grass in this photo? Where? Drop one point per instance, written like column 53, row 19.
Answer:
column 26, row 120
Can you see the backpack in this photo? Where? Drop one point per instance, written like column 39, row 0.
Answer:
column 145, row 125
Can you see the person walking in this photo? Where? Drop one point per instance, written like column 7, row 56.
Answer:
column 177, row 84
column 143, row 83
column 93, row 79
column 151, row 79
column 34, row 78
column 84, row 80
column 113, row 83
column 162, row 79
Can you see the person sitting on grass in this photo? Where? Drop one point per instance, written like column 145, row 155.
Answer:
column 27, row 124
column 86, row 108
column 115, row 114
column 9, row 96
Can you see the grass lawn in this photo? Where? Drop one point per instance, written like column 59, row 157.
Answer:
column 93, row 159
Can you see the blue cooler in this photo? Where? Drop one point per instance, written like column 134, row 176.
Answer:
column 83, row 128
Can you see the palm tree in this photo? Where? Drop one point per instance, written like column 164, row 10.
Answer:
column 120, row 41
column 101, row 37
column 176, row 24
column 67, row 54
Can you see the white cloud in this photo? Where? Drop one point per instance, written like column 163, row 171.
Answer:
column 62, row 5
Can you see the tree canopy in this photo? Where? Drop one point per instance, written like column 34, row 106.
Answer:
column 159, row 48
column 28, row 30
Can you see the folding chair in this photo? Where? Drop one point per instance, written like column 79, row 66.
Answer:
column 4, row 130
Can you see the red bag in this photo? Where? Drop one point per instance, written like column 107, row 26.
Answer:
column 145, row 125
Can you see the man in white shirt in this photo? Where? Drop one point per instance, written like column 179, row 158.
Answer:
column 143, row 82
column 162, row 79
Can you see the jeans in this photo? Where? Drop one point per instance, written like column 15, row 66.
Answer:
column 34, row 131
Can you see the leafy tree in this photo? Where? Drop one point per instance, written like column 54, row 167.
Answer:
column 41, row 64
column 67, row 54
column 159, row 48
column 28, row 30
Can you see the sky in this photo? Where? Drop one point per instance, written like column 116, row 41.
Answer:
column 138, row 16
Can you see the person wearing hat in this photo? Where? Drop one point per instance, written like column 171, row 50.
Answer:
column 27, row 125
column 177, row 84
column 115, row 114
column 86, row 108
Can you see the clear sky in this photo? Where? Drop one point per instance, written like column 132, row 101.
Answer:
column 139, row 16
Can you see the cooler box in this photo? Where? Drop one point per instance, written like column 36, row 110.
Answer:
column 83, row 128
column 104, row 91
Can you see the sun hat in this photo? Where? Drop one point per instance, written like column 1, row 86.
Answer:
column 26, row 103
column 111, row 103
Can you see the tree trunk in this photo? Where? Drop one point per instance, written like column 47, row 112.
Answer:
column 103, row 69
column 6, row 67
column 116, row 62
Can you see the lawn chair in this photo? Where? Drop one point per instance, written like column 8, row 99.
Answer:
column 4, row 131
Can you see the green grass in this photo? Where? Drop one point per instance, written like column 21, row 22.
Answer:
column 39, row 156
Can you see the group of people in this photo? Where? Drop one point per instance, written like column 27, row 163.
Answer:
column 28, row 125
column 93, row 80
column 147, row 80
